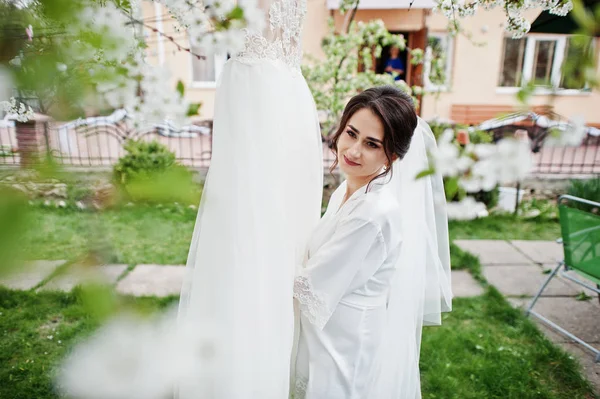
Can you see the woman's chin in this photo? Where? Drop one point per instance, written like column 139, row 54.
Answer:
column 348, row 170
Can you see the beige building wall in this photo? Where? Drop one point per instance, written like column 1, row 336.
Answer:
column 474, row 72
column 162, row 51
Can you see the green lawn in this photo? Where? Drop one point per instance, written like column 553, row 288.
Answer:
column 162, row 235
column 488, row 349
column 505, row 227
column 37, row 330
column 485, row 349
column 129, row 235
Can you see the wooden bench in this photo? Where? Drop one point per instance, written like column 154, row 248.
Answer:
column 472, row 114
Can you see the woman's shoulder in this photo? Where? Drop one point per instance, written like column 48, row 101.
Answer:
column 378, row 206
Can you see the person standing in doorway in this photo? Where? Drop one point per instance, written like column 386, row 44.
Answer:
column 395, row 64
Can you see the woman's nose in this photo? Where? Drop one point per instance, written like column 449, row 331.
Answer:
column 355, row 150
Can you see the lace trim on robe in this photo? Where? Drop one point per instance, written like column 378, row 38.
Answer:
column 312, row 304
column 300, row 388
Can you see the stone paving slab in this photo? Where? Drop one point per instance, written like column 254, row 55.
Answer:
column 464, row 285
column 581, row 318
column 107, row 274
column 540, row 251
column 575, row 286
column 152, row 280
column 31, row 274
column 519, row 280
column 493, row 252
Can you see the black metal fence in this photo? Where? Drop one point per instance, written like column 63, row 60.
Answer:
column 101, row 144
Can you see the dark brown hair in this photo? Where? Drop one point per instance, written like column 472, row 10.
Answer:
column 397, row 113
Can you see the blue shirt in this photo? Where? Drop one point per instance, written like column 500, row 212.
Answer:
column 396, row 63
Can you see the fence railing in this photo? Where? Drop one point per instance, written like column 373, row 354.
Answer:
column 101, row 144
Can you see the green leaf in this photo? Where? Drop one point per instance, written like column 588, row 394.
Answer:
column 451, row 188
column 193, row 109
column 583, row 297
column 236, row 13
column 425, row 172
column 180, row 88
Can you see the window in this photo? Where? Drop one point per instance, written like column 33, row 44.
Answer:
column 540, row 59
column 514, row 54
column 573, row 76
column 206, row 71
column 438, row 61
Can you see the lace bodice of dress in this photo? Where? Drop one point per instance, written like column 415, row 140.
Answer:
column 281, row 38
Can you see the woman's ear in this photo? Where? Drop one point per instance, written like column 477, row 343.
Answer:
column 394, row 158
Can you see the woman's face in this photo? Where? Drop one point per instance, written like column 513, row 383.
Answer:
column 360, row 150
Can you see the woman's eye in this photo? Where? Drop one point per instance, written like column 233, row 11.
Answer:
column 351, row 133
column 372, row 145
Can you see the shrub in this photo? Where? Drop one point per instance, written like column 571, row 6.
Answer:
column 149, row 173
column 143, row 159
column 588, row 189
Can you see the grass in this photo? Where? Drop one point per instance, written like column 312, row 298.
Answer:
column 463, row 260
column 505, row 227
column 31, row 326
column 485, row 349
column 128, row 235
column 146, row 234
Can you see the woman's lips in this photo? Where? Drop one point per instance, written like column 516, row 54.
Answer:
column 349, row 162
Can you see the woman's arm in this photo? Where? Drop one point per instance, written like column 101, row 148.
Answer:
column 329, row 273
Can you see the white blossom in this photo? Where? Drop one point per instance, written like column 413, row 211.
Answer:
column 446, row 158
column 466, row 209
column 516, row 23
column 17, row 110
column 562, row 9
column 112, row 25
column 571, row 134
column 513, row 160
column 135, row 358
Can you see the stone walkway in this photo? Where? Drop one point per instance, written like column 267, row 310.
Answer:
column 516, row 268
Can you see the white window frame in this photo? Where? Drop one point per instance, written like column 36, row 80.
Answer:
column 431, row 87
column 555, row 74
column 219, row 60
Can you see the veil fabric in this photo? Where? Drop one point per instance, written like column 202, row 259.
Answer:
column 421, row 288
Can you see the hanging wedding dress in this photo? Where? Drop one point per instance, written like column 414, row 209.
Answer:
column 261, row 200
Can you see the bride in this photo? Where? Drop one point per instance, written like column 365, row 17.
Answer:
column 261, row 199
column 378, row 262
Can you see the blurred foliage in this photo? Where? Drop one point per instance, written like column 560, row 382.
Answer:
column 14, row 222
column 475, row 136
column 538, row 209
column 347, row 68
column 56, row 70
column 588, row 189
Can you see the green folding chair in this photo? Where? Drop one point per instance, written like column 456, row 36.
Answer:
column 580, row 231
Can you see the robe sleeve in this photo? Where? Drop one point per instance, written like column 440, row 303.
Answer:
column 356, row 245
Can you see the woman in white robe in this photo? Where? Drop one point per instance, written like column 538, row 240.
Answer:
column 344, row 289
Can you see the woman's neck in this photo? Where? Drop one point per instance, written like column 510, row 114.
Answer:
column 353, row 184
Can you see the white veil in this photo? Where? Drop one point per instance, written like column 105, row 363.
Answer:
column 421, row 288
